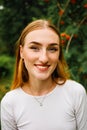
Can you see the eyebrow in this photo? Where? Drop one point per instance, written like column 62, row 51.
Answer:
column 51, row 44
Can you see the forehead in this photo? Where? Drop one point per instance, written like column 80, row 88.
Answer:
column 42, row 35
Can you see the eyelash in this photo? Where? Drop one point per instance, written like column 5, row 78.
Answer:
column 34, row 48
column 52, row 49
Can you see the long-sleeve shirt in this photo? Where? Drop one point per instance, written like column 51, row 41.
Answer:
column 64, row 108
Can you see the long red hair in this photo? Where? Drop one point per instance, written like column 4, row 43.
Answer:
column 21, row 75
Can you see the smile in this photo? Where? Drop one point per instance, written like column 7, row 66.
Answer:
column 42, row 67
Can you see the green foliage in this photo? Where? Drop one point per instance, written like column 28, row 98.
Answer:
column 6, row 72
column 6, row 66
column 15, row 16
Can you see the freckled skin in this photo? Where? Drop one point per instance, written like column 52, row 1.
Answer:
column 40, row 53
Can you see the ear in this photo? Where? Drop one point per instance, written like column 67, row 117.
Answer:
column 21, row 51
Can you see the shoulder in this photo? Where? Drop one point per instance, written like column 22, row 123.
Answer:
column 74, row 92
column 10, row 96
column 74, row 86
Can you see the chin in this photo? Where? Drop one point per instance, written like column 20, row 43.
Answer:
column 43, row 77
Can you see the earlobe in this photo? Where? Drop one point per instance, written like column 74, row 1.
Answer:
column 21, row 52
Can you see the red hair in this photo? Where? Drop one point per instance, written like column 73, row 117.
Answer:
column 21, row 75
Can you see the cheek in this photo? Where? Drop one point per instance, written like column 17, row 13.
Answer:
column 28, row 61
column 55, row 59
column 29, row 57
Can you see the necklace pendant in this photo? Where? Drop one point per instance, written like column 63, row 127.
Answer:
column 41, row 104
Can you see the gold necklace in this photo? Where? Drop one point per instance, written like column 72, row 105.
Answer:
column 39, row 100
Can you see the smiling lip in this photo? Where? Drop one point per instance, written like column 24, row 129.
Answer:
column 41, row 67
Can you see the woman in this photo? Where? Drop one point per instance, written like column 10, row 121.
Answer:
column 42, row 96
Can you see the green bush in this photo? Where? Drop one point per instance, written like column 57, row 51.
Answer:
column 6, row 72
column 6, row 65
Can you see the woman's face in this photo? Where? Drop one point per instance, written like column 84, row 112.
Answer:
column 40, row 53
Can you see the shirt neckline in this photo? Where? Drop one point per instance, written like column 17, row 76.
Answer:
column 30, row 95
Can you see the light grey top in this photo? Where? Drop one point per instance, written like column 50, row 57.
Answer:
column 64, row 108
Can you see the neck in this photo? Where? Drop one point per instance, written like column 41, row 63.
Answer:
column 38, row 88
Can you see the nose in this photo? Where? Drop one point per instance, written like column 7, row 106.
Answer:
column 43, row 56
